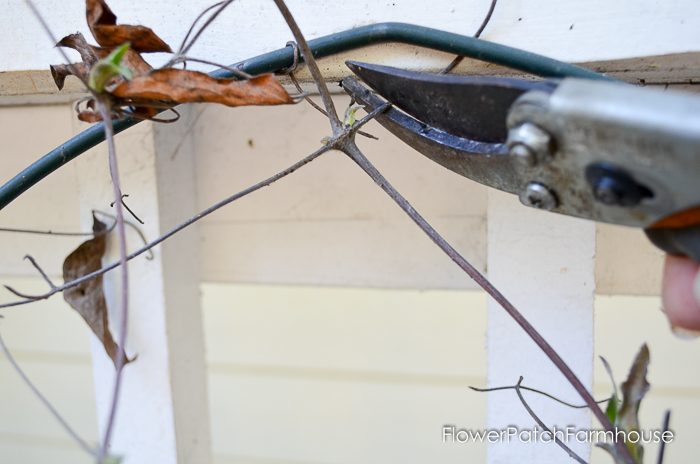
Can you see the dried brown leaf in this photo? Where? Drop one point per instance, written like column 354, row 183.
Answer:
column 633, row 391
column 88, row 298
column 142, row 112
column 90, row 54
column 103, row 25
column 59, row 72
column 78, row 43
column 98, row 12
column 89, row 116
column 627, row 416
column 183, row 86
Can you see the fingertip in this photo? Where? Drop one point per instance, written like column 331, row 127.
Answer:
column 680, row 291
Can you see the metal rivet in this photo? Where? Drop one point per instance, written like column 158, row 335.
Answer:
column 612, row 186
column 537, row 195
column 523, row 154
column 529, row 144
column 607, row 191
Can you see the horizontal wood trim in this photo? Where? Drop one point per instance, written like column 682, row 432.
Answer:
column 36, row 87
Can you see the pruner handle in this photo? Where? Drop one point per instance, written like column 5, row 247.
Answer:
column 684, row 241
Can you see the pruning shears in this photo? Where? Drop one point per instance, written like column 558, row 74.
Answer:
column 595, row 149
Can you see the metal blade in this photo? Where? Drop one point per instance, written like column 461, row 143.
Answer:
column 484, row 162
column 469, row 107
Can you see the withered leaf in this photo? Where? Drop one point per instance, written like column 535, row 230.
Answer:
column 89, row 116
column 88, row 298
column 59, row 72
column 184, row 86
column 90, row 55
column 78, row 43
column 627, row 416
column 633, row 390
column 103, row 25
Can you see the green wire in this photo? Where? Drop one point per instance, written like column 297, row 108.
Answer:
column 321, row 47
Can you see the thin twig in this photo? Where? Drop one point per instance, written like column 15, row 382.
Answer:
column 125, row 195
column 120, row 113
column 486, row 20
column 104, row 109
column 235, row 71
column 308, row 99
column 608, row 369
column 539, row 392
column 133, row 226
column 222, row 6
column 534, row 416
column 28, row 298
column 46, row 232
column 333, row 143
column 317, row 107
column 310, row 61
column 354, row 153
column 662, row 444
column 82, row 234
column 194, row 23
column 54, row 412
column 41, row 271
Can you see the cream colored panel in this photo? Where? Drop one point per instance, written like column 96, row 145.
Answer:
column 436, row 334
column 23, row 450
column 626, row 262
column 238, row 147
column 307, row 365
column 51, row 343
column 297, row 420
column 67, row 385
column 28, row 133
column 332, row 375
column 327, row 223
column 335, row 252
column 45, row 326
column 624, row 323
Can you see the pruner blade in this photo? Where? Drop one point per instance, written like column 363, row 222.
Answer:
column 470, row 107
column 457, row 122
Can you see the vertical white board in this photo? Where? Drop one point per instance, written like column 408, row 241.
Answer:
column 544, row 263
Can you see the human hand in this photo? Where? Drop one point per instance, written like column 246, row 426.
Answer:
column 681, row 295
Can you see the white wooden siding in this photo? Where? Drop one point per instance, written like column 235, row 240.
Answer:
column 330, row 375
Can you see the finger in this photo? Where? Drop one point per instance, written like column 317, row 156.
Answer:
column 680, row 292
column 697, row 287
